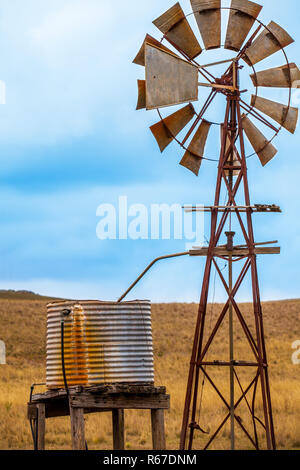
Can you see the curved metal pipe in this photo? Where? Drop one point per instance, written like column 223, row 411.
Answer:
column 148, row 268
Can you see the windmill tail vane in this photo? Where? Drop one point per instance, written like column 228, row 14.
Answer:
column 173, row 77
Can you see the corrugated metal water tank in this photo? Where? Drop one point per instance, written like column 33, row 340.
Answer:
column 104, row 342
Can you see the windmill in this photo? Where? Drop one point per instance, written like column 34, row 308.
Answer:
column 173, row 77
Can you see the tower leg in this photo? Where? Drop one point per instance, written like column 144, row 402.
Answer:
column 118, row 429
column 77, row 428
column 158, row 429
column 41, row 426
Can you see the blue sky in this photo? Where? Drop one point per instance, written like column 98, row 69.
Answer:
column 70, row 139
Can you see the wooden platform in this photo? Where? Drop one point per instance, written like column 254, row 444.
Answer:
column 102, row 398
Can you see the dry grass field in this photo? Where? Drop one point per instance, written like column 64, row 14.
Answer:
column 23, row 327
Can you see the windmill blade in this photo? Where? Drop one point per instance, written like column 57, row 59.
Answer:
column 165, row 131
column 264, row 149
column 208, row 16
column 169, row 79
column 174, row 25
column 141, row 104
column 192, row 158
column 286, row 116
column 267, row 43
column 286, row 76
column 236, row 162
column 241, row 19
column 140, row 58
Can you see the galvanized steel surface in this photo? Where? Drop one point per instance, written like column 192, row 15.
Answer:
column 178, row 31
column 191, row 158
column 165, row 131
column 287, row 117
column 264, row 149
column 170, row 80
column 104, row 342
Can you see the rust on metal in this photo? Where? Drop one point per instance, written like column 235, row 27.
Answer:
column 253, row 209
column 169, row 79
column 236, row 166
column 140, row 58
column 208, row 17
column 205, row 334
column 232, row 162
column 235, row 251
column 167, row 129
column 176, row 28
column 192, row 158
column 241, row 19
column 271, row 40
column 286, row 76
column 104, row 342
column 141, row 104
column 286, row 116
column 264, row 149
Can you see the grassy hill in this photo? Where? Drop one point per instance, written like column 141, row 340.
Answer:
column 23, row 328
column 23, row 295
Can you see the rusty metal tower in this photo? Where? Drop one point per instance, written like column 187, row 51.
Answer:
column 172, row 78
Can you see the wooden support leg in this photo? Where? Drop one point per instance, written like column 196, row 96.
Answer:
column 77, row 428
column 41, row 426
column 158, row 429
column 118, row 429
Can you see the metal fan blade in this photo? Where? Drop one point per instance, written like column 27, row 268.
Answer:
column 264, row 149
column 286, row 117
column 140, row 58
column 208, row 16
column 241, row 19
column 169, row 79
column 141, row 104
column 174, row 25
column 267, row 43
column 287, row 76
column 192, row 158
column 165, row 131
column 236, row 162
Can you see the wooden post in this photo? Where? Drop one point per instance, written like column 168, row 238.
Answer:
column 118, row 429
column 77, row 428
column 41, row 426
column 158, row 429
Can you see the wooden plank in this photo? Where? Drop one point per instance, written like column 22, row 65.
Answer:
column 41, row 426
column 118, row 429
column 99, row 389
column 32, row 411
column 158, row 429
column 77, row 428
column 138, row 402
column 57, row 408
